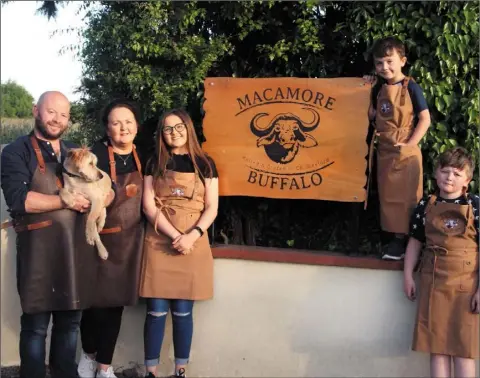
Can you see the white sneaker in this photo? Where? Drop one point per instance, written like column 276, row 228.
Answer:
column 87, row 367
column 106, row 374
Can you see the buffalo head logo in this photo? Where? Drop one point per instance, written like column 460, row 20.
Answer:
column 284, row 135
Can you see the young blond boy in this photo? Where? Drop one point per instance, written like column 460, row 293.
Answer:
column 447, row 322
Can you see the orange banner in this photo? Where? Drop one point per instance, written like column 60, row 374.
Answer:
column 288, row 137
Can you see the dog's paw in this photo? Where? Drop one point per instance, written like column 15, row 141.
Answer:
column 90, row 233
column 101, row 220
column 103, row 254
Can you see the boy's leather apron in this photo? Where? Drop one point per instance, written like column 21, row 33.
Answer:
column 54, row 261
column 445, row 323
column 399, row 169
column 167, row 273
column 119, row 276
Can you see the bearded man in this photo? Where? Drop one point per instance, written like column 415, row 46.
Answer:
column 54, row 275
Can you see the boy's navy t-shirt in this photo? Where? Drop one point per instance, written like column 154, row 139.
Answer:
column 417, row 220
column 416, row 94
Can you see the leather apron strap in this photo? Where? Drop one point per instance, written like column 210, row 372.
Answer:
column 38, row 153
column 111, row 161
column 41, row 160
column 404, row 90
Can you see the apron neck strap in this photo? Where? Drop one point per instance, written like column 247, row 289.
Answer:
column 137, row 161
column 38, row 153
column 430, row 202
column 404, row 90
column 111, row 162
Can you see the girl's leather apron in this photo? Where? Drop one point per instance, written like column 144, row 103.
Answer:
column 54, row 261
column 448, row 279
column 399, row 169
column 118, row 277
column 167, row 273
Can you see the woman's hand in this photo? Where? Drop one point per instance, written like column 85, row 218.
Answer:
column 409, row 287
column 185, row 242
column 476, row 302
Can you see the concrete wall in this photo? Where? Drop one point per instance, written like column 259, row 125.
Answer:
column 269, row 320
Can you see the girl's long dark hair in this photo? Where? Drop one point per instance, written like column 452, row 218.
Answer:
column 162, row 156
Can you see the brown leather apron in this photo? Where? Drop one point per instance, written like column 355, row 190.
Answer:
column 165, row 272
column 118, row 277
column 399, row 169
column 445, row 323
column 54, row 261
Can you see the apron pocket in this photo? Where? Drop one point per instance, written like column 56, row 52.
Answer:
column 131, row 190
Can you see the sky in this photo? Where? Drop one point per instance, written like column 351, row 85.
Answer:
column 30, row 55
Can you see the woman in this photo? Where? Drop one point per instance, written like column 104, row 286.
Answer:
column 118, row 276
column 180, row 202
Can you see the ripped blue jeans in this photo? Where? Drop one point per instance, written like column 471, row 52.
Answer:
column 154, row 329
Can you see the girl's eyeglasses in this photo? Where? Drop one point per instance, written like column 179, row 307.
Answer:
column 169, row 129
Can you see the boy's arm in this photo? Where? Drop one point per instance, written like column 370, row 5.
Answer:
column 420, row 109
column 411, row 256
column 417, row 237
column 421, row 128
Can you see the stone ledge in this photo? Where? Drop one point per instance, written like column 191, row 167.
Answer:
column 301, row 256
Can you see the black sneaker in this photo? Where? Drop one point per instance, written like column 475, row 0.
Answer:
column 180, row 373
column 395, row 250
column 150, row 375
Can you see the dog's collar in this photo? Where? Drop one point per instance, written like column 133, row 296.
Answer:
column 83, row 178
column 69, row 173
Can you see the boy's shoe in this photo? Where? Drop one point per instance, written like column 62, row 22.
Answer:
column 87, row 367
column 150, row 375
column 395, row 250
column 106, row 374
column 180, row 373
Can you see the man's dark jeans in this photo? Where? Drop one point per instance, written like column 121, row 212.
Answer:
column 63, row 344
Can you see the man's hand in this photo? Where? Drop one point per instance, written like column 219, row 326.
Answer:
column 185, row 242
column 75, row 202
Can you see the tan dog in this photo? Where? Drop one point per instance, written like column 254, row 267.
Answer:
column 81, row 175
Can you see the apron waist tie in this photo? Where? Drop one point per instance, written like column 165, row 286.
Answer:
column 169, row 210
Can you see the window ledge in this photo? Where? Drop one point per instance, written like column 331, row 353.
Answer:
column 300, row 256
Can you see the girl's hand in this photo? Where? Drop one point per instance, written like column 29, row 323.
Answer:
column 476, row 302
column 184, row 243
column 409, row 287
column 370, row 79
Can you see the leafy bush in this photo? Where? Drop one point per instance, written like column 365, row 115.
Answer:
column 16, row 102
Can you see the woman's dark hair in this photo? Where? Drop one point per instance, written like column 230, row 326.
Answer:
column 120, row 103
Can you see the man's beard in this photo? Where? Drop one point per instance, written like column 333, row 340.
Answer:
column 42, row 129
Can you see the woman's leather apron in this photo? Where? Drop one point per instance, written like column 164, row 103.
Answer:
column 399, row 169
column 118, row 277
column 167, row 273
column 445, row 323
column 54, row 261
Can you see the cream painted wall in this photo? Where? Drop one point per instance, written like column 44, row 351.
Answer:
column 269, row 320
